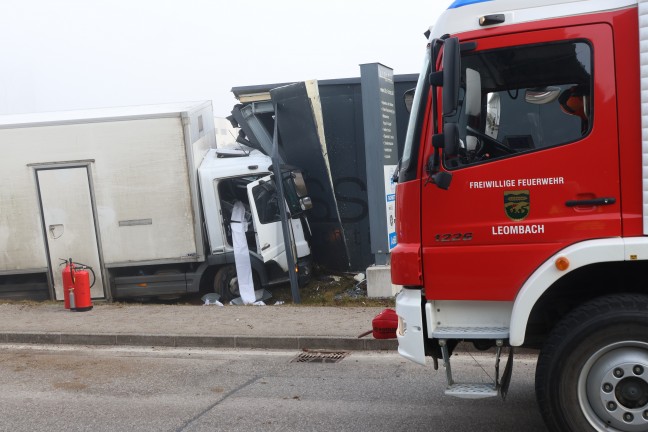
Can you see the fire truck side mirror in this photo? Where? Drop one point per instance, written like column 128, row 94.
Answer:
column 442, row 179
column 451, row 144
column 451, row 78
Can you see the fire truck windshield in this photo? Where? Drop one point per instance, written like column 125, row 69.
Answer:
column 407, row 168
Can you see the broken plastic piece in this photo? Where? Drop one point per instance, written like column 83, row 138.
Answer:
column 260, row 295
column 211, row 298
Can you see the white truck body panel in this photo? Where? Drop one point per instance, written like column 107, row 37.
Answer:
column 141, row 165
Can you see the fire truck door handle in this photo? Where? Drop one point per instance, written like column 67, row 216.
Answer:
column 591, row 202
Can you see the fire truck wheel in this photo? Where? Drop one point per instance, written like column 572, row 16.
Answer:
column 592, row 373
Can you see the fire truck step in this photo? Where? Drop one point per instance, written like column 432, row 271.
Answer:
column 479, row 390
column 471, row 333
column 472, row 391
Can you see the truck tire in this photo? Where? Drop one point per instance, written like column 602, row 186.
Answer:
column 226, row 283
column 592, row 373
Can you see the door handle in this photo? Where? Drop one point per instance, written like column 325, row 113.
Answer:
column 591, row 202
column 56, row 231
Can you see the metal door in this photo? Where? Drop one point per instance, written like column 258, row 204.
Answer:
column 264, row 206
column 68, row 219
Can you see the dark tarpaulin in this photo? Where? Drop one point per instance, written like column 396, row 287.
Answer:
column 302, row 147
column 341, row 104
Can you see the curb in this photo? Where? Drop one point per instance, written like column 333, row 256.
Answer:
column 270, row 342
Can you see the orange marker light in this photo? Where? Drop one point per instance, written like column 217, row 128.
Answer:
column 562, row 263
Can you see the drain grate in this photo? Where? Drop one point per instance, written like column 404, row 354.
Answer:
column 320, row 357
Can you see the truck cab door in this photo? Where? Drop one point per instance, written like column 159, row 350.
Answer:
column 264, row 206
column 538, row 168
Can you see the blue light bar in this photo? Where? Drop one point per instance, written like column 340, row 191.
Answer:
column 460, row 3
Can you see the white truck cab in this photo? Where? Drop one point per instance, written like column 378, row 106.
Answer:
column 230, row 175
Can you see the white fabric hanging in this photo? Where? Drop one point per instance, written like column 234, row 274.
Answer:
column 241, row 254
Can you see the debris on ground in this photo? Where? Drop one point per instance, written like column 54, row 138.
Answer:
column 211, row 299
column 359, row 290
column 345, row 289
column 324, row 289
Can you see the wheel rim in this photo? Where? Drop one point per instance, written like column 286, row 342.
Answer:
column 233, row 287
column 613, row 387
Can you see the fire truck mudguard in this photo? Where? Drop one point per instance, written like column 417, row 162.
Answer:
column 578, row 255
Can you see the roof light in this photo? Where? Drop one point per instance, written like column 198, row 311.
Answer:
column 487, row 20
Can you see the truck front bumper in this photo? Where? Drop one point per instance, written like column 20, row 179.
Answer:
column 409, row 308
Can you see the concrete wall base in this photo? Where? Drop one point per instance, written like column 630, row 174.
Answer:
column 379, row 282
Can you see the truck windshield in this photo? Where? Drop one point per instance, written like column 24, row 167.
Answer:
column 267, row 203
column 522, row 99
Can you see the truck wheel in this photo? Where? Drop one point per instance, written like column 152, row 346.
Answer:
column 592, row 373
column 226, row 283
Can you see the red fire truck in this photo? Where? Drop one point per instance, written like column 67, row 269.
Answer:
column 522, row 203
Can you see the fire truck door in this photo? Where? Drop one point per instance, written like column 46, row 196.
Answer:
column 539, row 166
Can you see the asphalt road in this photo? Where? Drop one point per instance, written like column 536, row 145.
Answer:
column 72, row 388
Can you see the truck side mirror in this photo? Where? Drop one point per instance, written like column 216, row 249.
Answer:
column 408, row 99
column 300, row 184
column 451, row 78
column 451, row 144
column 306, row 203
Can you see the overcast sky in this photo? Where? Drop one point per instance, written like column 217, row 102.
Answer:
column 76, row 54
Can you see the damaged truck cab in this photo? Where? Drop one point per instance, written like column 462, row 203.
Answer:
column 239, row 175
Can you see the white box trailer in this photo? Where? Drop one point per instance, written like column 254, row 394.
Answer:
column 115, row 189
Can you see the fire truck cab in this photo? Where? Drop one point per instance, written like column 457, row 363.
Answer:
column 527, row 160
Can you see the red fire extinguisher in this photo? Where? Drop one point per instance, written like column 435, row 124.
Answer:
column 76, row 287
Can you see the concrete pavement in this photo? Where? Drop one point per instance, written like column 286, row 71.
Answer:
column 270, row 327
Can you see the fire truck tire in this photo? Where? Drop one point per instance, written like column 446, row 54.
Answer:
column 226, row 283
column 592, row 373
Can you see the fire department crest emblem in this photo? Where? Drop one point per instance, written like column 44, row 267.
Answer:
column 516, row 204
